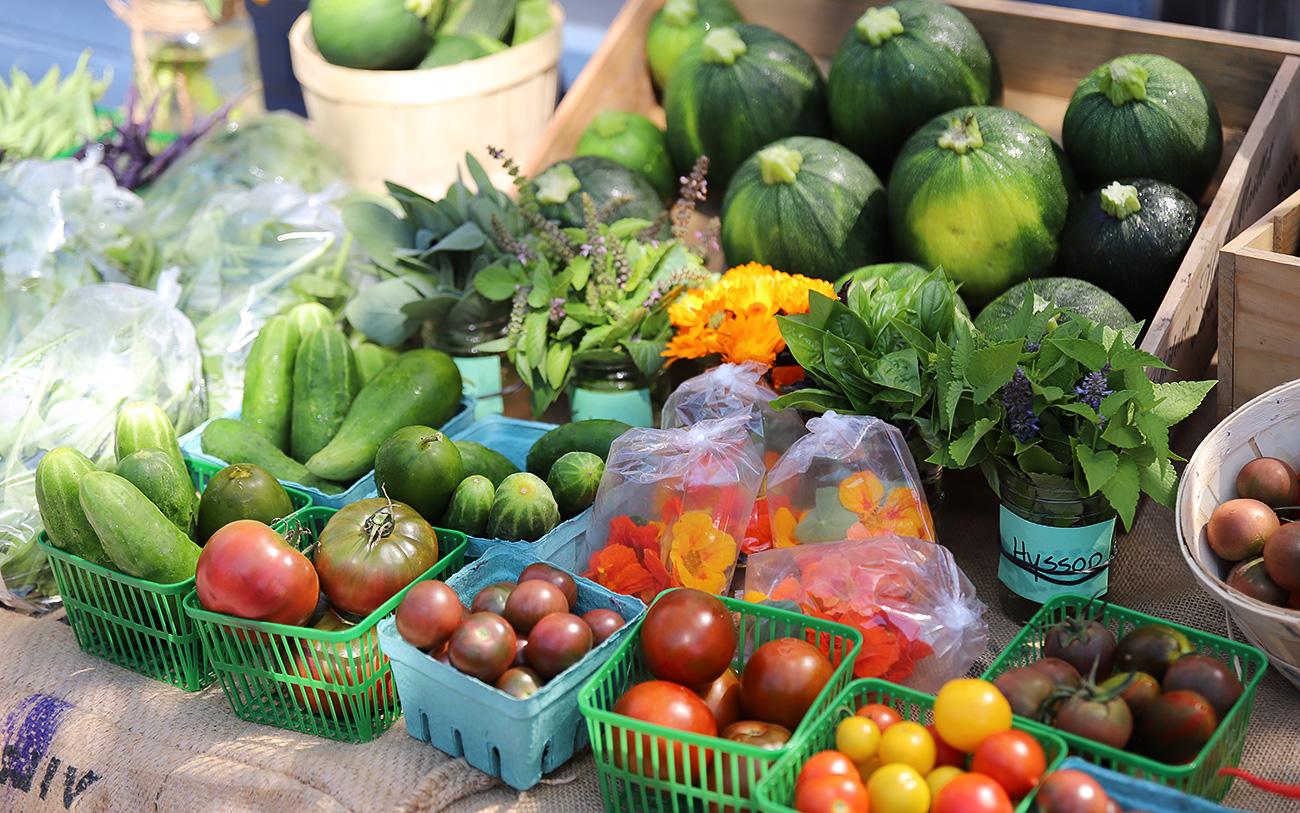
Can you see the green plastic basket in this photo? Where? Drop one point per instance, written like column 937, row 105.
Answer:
column 137, row 624
column 776, row 789
column 336, row 685
column 718, row 775
column 1199, row 777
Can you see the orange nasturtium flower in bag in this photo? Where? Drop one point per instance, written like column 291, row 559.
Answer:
column 701, row 554
column 618, row 568
column 861, row 492
column 901, row 512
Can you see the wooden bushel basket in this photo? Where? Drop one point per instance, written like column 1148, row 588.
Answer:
column 1268, row 426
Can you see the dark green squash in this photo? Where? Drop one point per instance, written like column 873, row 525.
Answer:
column 736, row 91
column 679, row 25
column 901, row 65
column 617, row 191
column 1067, row 293
column 804, row 206
column 1129, row 238
column 634, row 141
column 983, row 192
column 1143, row 116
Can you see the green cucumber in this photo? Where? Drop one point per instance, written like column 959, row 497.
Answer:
column 325, row 381
column 268, row 380
column 593, row 436
column 422, row 387
column 471, row 504
column 135, row 534
column 233, row 441
column 310, row 316
column 142, row 425
column 491, row 18
column 172, row 492
column 58, row 483
column 475, row 458
column 371, row 358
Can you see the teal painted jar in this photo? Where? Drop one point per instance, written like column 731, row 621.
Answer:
column 489, row 379
column 610, row 386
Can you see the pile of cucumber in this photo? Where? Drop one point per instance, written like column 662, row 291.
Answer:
column 315, row 409
column 145, row 518
column 467, row 487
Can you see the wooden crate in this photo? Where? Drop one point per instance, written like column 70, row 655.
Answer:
column 1043, row 52
column 1259, row 292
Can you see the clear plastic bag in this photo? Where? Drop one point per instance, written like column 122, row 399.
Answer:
column 920, row 620
column 98, row 348
column 730, row 389
column 850, row 477
column 63, row 224
column 672, row 508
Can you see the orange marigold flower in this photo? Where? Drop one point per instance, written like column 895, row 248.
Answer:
column 750, row 338
column 702, row 554
column 617, row 568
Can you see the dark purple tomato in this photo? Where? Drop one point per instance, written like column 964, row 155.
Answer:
column 557, row 577
column 520, row 645
column 428, row 615
column 1026, row 689
column 1151, row 648
column 1176, row 726
column 603, row 623
column 1238, row 529
column 1208, row 677
column 1071, row 791
column 1086, row 645
column 492, row 599
column 532, row 601
column 688, row 637
column 1269, row 480
column 1250, row 576
column 781, row 680
column 722, row 696
column 1062, row 674
column 483, row 646
column 1282, row 557
column 1139, row 692
column 557, row 642
column 768, row 736
column 520, row 682
column 1107, row 721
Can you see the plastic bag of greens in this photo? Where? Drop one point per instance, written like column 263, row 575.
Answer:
column 63, row 224
column 672, row 508
column 730, row 389
column 920, row 620
column 850, row 477
column 97, row 349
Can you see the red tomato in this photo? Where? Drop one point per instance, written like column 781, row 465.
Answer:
column 1013, row 759
column 972, row 793
column 429, row 613
column 370, row 551
column 883, row 716
column 557, row 642
column 781, row 680
column 603, row 623
column 672, row 706
column 550, row 573
column 688, row 637
column 945, row 754
column 722, row 696
column 532, row 601
column 832, row 794
column 492, row 599
column 520, row 682
column 1071, row 792
column 826, row 763
column 336, row 666
column 483, row 646
column 248, row 570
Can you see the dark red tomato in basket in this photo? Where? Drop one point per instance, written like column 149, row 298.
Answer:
column 249, row 571
column 603, row 623
column 429, row 613
column 532, row 601
column 672, row 706
column 333, row 669
column 370, row 551
column 520, row 682
column 1176, row 726
column 557, row 642
column 1071, row 791
column 557, row 577
column 688, row 637
column 781, row 680
column 1209, row 677
column 483, row 646
column 492, row 599
column 722, row 696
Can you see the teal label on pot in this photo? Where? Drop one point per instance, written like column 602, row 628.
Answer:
column 1039, row 562
column 481, row 376
column 629, row 406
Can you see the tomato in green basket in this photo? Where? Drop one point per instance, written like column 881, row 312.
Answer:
column 671, row 706
column 688, row 637
column 370, row 550
column 339, row 666
column 249, row 571
column 781, row 680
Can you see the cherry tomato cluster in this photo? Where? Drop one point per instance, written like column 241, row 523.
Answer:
column 970, row 760
column 1148, row 691
column 514, row 635
column 687, row 643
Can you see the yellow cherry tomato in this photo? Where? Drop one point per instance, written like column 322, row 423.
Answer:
column 867, row 768
column 968, row 710
column 909, row 743
column 898, row 788
column 857, row 738
column 940, row 777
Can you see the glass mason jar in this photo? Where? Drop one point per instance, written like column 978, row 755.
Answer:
column 489, row 379
column 191, row 60
column 1052, row 541
column 610, row 386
